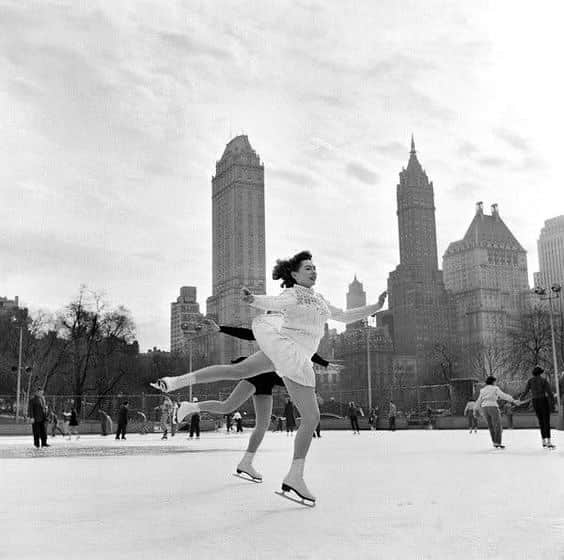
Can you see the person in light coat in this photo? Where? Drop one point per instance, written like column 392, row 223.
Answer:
column 486, row 404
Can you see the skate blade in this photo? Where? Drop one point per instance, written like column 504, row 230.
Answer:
column 297, row 499
column 248, row 477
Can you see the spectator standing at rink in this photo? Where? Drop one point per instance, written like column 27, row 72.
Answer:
column 392, row 416
column 166, row 410
column 472, row 418
column 352, row 413
column 123, row 417
column 195, row 422
column 238, row 421
column 73, row 422
column 228, row 422
column 105, row 423
column 542, row 400
column 486, row 403
column 174, row 418
column 290, row 417
column 37, row 413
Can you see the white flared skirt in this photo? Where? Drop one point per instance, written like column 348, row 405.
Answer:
column 289, row 358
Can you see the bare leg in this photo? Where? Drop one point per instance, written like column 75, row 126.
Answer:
column 263, row 412
column 253, row 365
column 306, row 403
column 238, row 396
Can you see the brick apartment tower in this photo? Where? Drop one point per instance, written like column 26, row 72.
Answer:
column 418, row 301
column 238, row 238
column 486, row 275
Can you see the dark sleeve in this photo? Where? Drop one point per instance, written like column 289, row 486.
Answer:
column 527, row 389
column 237, row 332
column 317, row 359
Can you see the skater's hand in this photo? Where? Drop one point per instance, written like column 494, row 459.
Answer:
column 246, row 295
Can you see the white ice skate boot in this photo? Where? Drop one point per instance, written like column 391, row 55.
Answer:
column 294, row 482
column 160, row 385
column 186, row 408
column 246, row 469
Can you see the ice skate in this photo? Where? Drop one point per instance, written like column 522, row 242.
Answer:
column 186, row 408
column 296, row 490
column 247, row 472
column 499, row 446
column 160, row 385
column 548, row 444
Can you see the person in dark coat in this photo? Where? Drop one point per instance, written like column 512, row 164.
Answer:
column 290, row 417
column 195, row 422
column 542, row 397
column 122, row 420
column 352, row 413
column 37, row 413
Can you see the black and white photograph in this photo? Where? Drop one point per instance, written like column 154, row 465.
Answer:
column 281, row 279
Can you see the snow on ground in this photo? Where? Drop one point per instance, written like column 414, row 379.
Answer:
column 425, row 494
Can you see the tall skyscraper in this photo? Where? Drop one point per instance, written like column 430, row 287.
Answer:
column 418, row 301
column 356, row 297
column 486, row 273
column 238, row 239
column 185, row 309
column 551, row 253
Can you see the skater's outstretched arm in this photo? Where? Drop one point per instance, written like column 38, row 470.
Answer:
column 357, row 313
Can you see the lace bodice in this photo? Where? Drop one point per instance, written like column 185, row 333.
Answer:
column 305, row 313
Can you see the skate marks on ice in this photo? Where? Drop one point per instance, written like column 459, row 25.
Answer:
column 71, row 450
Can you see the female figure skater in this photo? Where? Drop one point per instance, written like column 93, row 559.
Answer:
column 286, row 350
column 541, row 394
column 486, row 403
column 259, row 387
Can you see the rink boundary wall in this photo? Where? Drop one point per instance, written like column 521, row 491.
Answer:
column 520, row 421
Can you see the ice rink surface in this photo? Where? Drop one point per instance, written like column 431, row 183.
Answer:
column 406, row 495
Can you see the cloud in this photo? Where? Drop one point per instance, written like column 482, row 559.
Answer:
column 393, row 149
column 465, row 189
column 288, row 176
column 467, row 149
column 512, row 139
column 192, row 47
column 492, row 161
column 362, row 173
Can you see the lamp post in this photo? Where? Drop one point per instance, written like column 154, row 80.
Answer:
column 368, row 364
column 188, row 328
column 543, row 295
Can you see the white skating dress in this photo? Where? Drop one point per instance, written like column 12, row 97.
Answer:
column 291, row 345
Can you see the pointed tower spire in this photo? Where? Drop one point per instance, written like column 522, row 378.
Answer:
column 412, row 145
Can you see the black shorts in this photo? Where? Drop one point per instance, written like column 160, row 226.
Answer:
column 265, row 382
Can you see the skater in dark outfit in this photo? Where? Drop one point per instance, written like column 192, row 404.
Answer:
column 194, row 421
column 541, row 394
column 289, row 415
column 259, row 388
column 352, row 413
column 37, row 413
column 486, row 403
column 122, row 420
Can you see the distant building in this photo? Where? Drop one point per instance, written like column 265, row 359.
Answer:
column 8, row 305
column 238, row 239
column 551, row 253
column 184, row 311
column 418, row 302
column 486, row 273
column 356, row 297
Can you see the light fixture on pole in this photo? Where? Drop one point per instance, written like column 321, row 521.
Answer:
column 187, row 329
column 543, row 295
column 368, row 364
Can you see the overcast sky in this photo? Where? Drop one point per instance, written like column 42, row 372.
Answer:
column 115, row 113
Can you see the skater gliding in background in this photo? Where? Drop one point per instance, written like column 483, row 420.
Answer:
column 542, row 399
column 486, row 403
